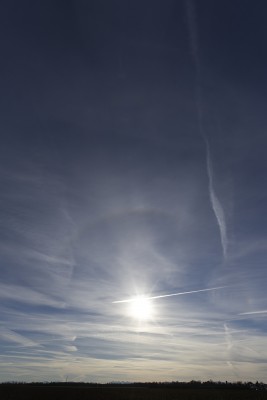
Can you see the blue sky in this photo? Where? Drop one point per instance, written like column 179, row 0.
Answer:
column 133, row 163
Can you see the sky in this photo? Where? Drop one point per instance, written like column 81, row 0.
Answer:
column 133, row 163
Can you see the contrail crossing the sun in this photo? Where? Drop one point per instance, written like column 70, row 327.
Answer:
column 169, row 295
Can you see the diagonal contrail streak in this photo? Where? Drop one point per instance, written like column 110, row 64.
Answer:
column 254, row 312
column 215, row 202
column 169, row 295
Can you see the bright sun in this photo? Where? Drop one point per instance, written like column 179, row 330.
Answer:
column 141, row 308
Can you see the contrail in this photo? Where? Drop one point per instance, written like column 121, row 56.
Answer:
column 215, row 202
column 169, row 295
column 253, row 312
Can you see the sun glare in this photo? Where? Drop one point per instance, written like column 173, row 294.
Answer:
column 141, row 308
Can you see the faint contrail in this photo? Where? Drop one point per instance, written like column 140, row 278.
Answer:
column 192, row 27
column 192, row 30
column 169, row 295
column 215, row 203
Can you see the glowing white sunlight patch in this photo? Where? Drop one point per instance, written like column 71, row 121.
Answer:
column 141, row 308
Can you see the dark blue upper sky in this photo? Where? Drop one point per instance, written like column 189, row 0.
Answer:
column 133, row 162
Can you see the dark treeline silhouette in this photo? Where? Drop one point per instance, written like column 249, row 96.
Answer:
column 174, row 384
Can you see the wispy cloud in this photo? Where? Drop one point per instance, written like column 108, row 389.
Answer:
column 26, row 295
column 14, row 337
